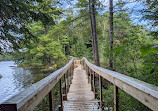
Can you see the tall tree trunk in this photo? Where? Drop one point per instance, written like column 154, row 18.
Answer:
column 111, row 67
column 92, row 15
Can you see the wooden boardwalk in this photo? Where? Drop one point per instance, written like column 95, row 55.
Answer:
column 80, row 96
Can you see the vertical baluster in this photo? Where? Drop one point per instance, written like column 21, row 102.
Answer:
column 65, row 84
column 71, row 73
column 82, row 64
column 90, row 78
column 69, row 77
column 51, row 101
column 116, row 98
column 68, row 80
column 101, row 95
column 73, row 67
column 61, row 97
column 65, row 95
column 87, row 70
column 88, row 73
column 94, row 83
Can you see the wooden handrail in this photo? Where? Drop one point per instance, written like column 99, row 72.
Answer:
column 29, row 98
column 142, row 91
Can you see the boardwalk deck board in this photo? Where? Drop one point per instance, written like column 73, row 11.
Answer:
column 80, row 96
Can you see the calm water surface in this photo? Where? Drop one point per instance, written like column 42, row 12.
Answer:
column 15, row 79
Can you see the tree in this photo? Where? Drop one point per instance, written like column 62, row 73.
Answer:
column 111, row 36
column 16, row 14
column 94, row 33
column 151, row 12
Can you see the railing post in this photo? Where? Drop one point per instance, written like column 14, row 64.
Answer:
column 88, row 74
column 87, row 71
column 61, row 97
column 90, row 78
column 83, row 64
column 51, row 101
column 73, row 68
column 94, row 83
column 116, row 98
column 71, row 73
column 67, row 80
column 101, row 95
column 65, row 96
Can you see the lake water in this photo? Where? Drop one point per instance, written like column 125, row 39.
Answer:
column 15, row 79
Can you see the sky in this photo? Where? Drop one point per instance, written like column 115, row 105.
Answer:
column 134, row 6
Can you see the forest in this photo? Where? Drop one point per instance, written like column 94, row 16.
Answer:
column 120, row 35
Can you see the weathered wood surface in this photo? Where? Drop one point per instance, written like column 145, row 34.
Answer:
column 28, row 99
column 142, row 91
column 80, row 96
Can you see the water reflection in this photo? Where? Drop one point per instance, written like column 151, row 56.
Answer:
column 15, row 79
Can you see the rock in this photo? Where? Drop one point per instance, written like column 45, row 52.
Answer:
column 12, row 66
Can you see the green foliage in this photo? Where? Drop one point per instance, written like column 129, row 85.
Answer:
column 145, row 50
column 17, row 14
column 126, row 102
column 6, row 57
column 151, row 13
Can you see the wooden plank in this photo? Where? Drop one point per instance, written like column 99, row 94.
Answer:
column 80, row 96
column 29, row 98
column 142, row 91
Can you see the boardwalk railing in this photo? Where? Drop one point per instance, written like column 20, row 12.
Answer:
column 142, row 91
column 28, row 99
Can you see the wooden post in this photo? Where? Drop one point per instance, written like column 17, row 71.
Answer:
column 71, row 73
column 116, row 98
column 88, row 74
column 67, row 81
column 65, row 84
column 101, row 95
column 83, row 63
column 51, row 101
column 87, row 70
column 90, row 78
column 73, row 67
column 65, row 95
column 61, row 97
column 94, row 83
